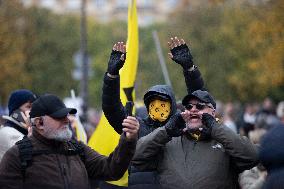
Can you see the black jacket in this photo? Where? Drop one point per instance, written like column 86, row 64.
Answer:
column 115, row 113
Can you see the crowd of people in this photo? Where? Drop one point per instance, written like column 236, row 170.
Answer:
column 197, row 143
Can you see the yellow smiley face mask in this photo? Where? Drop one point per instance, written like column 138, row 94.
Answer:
column 159, row 110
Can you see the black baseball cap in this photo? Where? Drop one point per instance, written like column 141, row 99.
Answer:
column 51, row 105
column 203, row 96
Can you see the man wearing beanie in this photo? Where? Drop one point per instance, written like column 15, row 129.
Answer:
column 14, row 129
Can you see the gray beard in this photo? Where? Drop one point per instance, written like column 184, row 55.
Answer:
column 59, row 135
column 187, row 124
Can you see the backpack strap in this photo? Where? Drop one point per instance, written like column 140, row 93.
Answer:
column 78, row 149
column 74, row 148
column 25, row 152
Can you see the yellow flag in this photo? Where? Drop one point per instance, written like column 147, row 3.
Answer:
column 80, row 131
column 105, row 139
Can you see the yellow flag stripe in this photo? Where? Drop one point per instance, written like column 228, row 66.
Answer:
column 105, row 139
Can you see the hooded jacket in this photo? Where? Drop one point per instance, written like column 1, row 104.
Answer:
column 115, row 113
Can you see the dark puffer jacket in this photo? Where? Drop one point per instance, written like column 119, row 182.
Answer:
column 115, row 113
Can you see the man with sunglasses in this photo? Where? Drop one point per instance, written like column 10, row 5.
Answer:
column 50, row 159
column 194, row 150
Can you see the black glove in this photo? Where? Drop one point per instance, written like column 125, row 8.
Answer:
column 115, row 63
column 175, row 125
column 181, row 55
column 208, row 123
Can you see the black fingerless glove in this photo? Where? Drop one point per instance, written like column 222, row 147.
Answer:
column 208, row 123
column 181, row 55
column 175, row 125
column 115, row 63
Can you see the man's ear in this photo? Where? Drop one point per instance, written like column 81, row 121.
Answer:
column 39, row 123
column 214, row 113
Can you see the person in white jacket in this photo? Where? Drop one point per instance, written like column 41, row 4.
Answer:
column 15, row 126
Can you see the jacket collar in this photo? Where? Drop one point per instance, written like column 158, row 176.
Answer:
column 11, row 122
column 197, row 136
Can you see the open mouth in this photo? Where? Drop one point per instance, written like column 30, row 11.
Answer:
column 195, row 117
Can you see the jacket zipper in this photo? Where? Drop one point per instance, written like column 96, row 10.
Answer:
column 63, row 172
column 194, row 144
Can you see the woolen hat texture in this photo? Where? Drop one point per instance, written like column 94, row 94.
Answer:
column 18, row 98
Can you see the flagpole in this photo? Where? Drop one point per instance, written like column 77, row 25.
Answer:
column 161, row 58
column 84, row 79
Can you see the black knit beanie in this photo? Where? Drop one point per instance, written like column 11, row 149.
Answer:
column 18, row 98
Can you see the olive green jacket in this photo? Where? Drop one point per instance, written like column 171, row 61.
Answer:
column 182, row 162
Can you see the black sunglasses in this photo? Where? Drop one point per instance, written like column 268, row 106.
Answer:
column 199, row 106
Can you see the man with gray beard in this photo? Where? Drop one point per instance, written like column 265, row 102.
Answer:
column 51, row 159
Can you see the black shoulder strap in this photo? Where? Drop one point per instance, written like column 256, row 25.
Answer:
column 25, row 152
column 78, row 149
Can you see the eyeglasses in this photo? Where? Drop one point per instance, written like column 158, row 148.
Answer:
column 199, row 106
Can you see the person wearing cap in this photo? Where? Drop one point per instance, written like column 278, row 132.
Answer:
column 15, row 126
column 194, row 150
column 50, row 159
column 159, row 100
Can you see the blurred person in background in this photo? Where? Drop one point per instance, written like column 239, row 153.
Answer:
column 255, row 177
column 16, row 124
column 93, row 120
column 268, row 106
column 267, row 114
column 229, row 116
column 159, row 101
column 280, row 111
column 248, row 119
column 271, row 155
column 2, row 112
column 264, row 121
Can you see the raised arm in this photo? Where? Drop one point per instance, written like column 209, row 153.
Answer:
column 111, row 103
column 180, row 53
column 114, row 166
